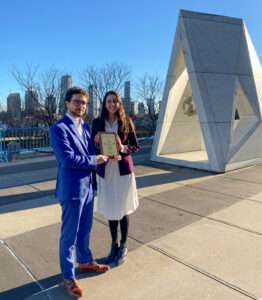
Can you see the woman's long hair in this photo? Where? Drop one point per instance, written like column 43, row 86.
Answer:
column 123, row 119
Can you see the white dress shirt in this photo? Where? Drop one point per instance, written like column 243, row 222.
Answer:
column 78, row 122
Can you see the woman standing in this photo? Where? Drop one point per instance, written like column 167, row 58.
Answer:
column 117, row 193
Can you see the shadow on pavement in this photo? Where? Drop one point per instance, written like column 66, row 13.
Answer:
column 52, row 283
column 21, row 198
column 171, row 177
column 175, row 175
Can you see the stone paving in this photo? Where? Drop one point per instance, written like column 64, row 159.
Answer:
column 196, row 235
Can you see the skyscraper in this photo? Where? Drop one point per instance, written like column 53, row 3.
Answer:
column 151, row 106
column 127, row 97
column 31, row 101
column 66, row 83
column 134, row 108
column 141, row 109
column 93, row 102
column 14, row 105
column 50, row 104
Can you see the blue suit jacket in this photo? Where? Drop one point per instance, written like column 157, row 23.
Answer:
column 76, row 160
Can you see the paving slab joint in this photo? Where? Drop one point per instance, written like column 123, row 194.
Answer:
column 205, row 273
column 26, row 268
column 192, row 267
column 207, row 217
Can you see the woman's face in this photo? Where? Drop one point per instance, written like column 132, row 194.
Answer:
column 112, row 105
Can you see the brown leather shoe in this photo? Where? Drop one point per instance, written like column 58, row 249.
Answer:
column 93, row 267
column 73, row 288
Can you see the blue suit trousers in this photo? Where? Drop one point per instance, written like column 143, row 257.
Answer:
column 77, row 219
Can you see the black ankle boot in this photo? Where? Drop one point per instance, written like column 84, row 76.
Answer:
column 121, row 254
column 112, row 254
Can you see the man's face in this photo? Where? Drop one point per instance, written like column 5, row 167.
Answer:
column 77, row 106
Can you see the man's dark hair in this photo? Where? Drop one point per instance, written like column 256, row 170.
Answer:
column 75, row 90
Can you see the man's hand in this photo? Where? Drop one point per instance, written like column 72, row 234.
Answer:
column 115, row 158
column 100, row 159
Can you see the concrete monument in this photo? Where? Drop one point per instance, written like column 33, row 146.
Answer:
column 210, row 117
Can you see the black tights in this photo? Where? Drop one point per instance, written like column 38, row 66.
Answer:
column 124, row 224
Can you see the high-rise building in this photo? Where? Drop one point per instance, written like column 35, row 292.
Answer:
column 93, row 102
column 141, row 109
column 134, row 108
column 31, row 101
column 50, row 103
column 127, row 92
column 127, row 97
column 151, row 106
column 14, row 105
column 66, row 83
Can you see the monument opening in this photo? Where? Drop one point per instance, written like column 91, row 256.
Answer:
column 184, row 139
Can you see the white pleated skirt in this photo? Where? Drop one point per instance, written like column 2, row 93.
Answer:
column 116, row 195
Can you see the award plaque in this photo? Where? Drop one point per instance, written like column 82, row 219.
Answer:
column 108, row 144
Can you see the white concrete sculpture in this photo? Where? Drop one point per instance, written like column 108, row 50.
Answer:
column 210, row 116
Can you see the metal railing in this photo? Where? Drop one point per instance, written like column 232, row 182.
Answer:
column 16, row 141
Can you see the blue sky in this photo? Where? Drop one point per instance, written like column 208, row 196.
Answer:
column 72, row 34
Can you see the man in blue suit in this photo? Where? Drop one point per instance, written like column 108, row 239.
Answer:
column 76, row 161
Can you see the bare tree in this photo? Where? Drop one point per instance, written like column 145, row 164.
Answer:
column 149, row 90
column 108, row 77
column 28, row 78
column 49, row 95
column 43, row 89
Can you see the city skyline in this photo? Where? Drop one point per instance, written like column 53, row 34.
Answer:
column 39, row 34
column 21, row 107
column 66, row 81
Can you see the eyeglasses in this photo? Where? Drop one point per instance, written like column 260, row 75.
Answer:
column 79, row 102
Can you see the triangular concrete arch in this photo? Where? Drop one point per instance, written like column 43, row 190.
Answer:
column 196, row 125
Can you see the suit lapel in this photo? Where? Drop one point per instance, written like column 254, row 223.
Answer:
column 75, row 132
column 86, row 135
column 87, row 138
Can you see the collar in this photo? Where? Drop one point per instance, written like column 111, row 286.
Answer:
column 77, row 121
column 116, row 121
